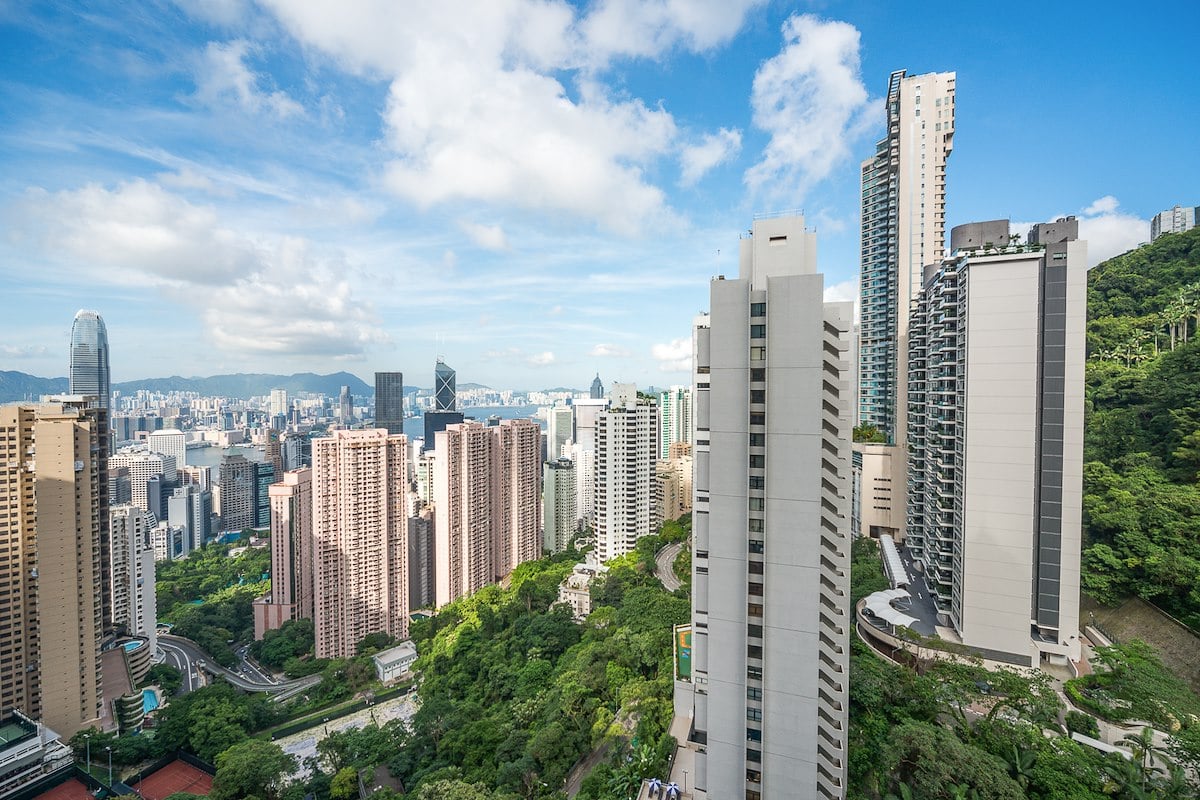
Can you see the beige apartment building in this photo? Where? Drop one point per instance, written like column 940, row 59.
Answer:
column 360, row 538
column 488, row 504
column 50, row 566
column 291, row 553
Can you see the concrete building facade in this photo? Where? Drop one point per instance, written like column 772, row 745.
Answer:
column 143, row 467
column 292, row 547
column 560, row 497
column 488, row 504
column 624, row 474
column 131, row 565
column 237, row 482
column 675, row 419
column 169, row 442
column 770, row 661
column 51, row 605
column 360, row 539
column 996, row 462
column 1173, row 220
column 903, row 218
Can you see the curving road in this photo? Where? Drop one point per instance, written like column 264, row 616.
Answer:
column 192, row 661
column 664, row 565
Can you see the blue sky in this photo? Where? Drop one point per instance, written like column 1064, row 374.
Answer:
column 537, row 190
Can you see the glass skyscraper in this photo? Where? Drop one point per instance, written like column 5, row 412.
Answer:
column 443, row 387
column 389, row 401
column 89, row 373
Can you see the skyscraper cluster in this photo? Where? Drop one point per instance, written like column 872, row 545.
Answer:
column 374, row 531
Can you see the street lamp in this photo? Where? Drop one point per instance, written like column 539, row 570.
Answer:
column 87, row 739
column 109, row 749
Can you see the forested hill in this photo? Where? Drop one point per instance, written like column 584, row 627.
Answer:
column 1142, row 441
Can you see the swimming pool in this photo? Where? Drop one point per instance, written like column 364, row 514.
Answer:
column 134, row 645
column 149, row 700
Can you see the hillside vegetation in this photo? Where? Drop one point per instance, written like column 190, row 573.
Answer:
column 1142, row 441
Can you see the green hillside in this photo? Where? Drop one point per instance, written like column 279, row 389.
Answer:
column 1142, row 442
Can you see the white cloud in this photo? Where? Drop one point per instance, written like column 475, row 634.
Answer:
column 609, row 351
column 696, row 160
column 257, row 292
column 674, row 356
column 1104, row 205
column 543, row 359
column 1109, row 231
column 478, row 107
column 649, row 28
column 489, row 237
column 222, row 76
column 811, row 99
column 23, row 351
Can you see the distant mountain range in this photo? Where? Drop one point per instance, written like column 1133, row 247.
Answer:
column 21, row 386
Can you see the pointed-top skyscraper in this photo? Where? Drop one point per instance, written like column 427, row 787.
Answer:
column 89, row 357
column 443, row 387
column 597, row 392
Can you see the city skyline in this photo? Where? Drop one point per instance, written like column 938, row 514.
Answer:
column 350, row 237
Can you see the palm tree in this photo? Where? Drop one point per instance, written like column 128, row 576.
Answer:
column 1144, row 749
column 1020, row 764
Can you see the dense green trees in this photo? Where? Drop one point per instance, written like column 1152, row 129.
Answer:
column 514, row 693
column 293, row 640
column 1142, row 439
column 252, row 768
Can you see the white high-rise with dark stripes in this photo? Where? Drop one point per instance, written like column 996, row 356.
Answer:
column 771, row 527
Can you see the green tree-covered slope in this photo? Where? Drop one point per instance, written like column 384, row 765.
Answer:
column 1142, row 441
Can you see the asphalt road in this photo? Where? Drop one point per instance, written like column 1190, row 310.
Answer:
column 664, row 565
column 187, row 656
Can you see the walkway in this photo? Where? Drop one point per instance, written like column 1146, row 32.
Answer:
column 303, row 744
column 664, row 568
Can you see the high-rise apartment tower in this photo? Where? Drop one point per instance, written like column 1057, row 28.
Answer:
column 996, row 445
column 488, row 504
column 360, row 535
column 51, row 561
column 771, row 544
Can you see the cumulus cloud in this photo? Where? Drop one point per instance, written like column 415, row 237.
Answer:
column 543, row 359
column 609, row 351
column 811, row 99
column 478, row 106
column 674, row 356
column 1109, row 231
column 223, row 77
column 649, row 28
column 713, row 149
column 489, row 237
column 257, row 293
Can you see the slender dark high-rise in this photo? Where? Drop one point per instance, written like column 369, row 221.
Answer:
column 389, row 401
column 89, row 357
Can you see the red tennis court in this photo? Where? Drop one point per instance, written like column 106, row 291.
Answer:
column 70, row 790
column 174, row 777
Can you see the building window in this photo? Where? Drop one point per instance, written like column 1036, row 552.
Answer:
column 758, row 396
column 754, row 756
column 755, row 589
column 754, row 714
column 758, row 462
column 758, row 440
column 755, row 631
column 753, row 795
column 758, row 354
column 758, row 309
column 756, row 503
column 754, row 673
column 757, row 482
column 758, row 331
column 758, row 418
column 754, row 609
column 756, row 526
column 758, row 374
column 756, row 568
column 755, row 545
